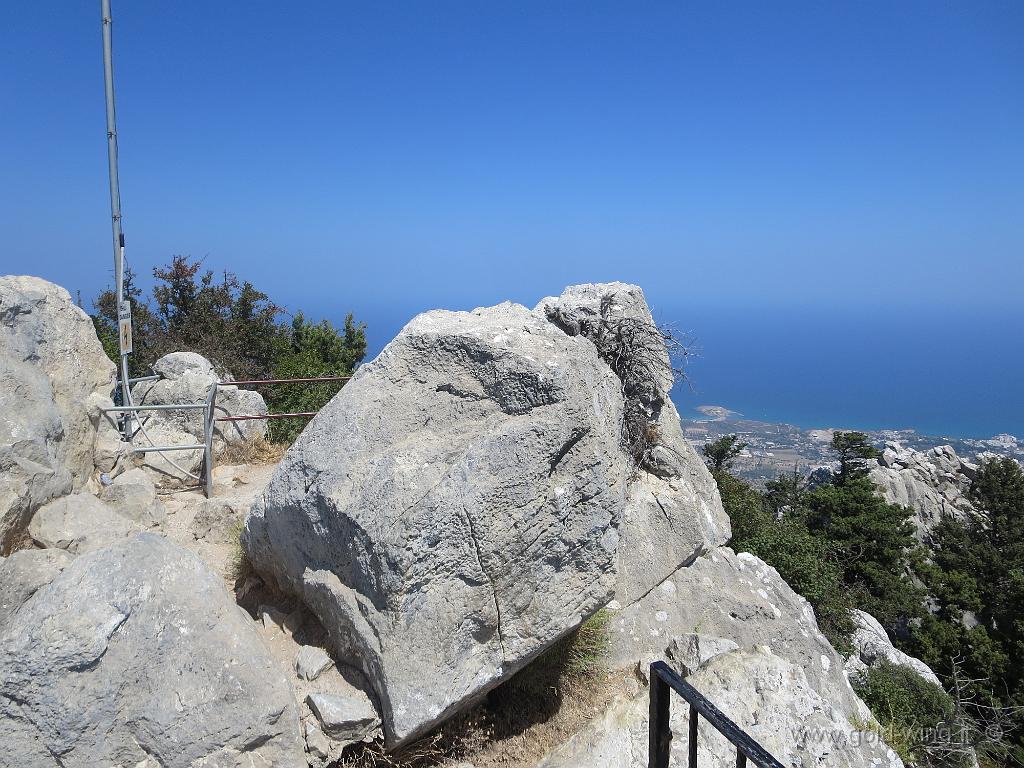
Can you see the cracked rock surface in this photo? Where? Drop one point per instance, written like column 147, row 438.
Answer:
column 459, row 506
column 136, row 655
column 455, row 510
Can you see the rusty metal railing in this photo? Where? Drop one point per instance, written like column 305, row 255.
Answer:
column 212, row 419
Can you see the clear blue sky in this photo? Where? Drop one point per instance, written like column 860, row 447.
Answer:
column 384, row 155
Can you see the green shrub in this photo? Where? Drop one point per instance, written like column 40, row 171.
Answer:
column 311, row 350
column 237, row 328
column 918, row 719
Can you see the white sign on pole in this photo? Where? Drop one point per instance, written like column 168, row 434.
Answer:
column 124, row 327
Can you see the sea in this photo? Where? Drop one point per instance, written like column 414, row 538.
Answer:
column 942, row 372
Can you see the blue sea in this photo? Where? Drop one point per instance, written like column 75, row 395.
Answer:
column 952, row 373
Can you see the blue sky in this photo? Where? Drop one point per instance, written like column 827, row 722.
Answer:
column 389, row 157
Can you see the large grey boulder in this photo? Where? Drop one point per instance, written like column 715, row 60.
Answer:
column 474, row 493
column 934, row 484
column 78, row 523
column 673, row 510
column 873, row 648
column 135, row 655
column 41, row 326
column 32, row 471
column 24, row 573
column 454, row 510
column 187, row 378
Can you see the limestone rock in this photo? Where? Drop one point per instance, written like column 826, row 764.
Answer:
column 469, row 497
column 32, row 470
column 673, row 510
column 454, row 510
column 934, row 484
column 344, row 718
column 744, row 639
column 873, row 647
column 132, row 495
column 187, row 378
column 310, row 661
column 768, row 697
column 24, row 573
column 28, row 480
column 737, row 598
column 686, row 653
column 135, row 654
column 41, row 326
column 78, row 523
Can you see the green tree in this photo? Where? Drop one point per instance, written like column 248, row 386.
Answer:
column 721, row 453
column 917, row 717
column 976, row 579
column 806, row 562
column 236, row 326
column 146, row 328
column 312, row 350
column 786, row 493
column 873, row 540
column 855, row 452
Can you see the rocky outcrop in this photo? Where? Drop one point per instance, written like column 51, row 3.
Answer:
column 78, row 523
column 187, row 378
column 673, row 510
column 873, row 648
column 459, row 506
column 136, row 655
column 739, row 598
column 767, row 696
column 334, row 708
column 54, row 382
column 31, row 471
column 41, row 325
column 735, row 630
column 23, row 573
column 454, row 510
column 933, row 484
column 132, row 495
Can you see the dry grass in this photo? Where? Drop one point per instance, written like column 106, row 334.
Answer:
column 520, row 721
column 239, row 565
column 257, row 450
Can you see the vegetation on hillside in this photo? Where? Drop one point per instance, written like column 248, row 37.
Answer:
column 958, row 605
column 240, row 330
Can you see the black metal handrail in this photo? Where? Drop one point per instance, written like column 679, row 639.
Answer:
column 664, row 680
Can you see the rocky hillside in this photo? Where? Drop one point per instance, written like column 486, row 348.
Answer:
column 487, row 484
column 933, row 484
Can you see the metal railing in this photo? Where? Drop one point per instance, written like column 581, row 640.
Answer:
column 663, row 682
column 210, row 419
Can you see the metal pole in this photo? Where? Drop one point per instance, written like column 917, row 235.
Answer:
column 659, row 729
column 115, row 190
column 209, row 426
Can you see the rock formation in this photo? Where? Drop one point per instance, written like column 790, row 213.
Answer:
column 932, row 483
column 78, row 523
column 673, row 511
column 459, row 506
column 766, row 695
column 488, row 482
column 187, row 378
column 54, row 382
column 743, row 638
column 872, row 648
column 136, row 655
